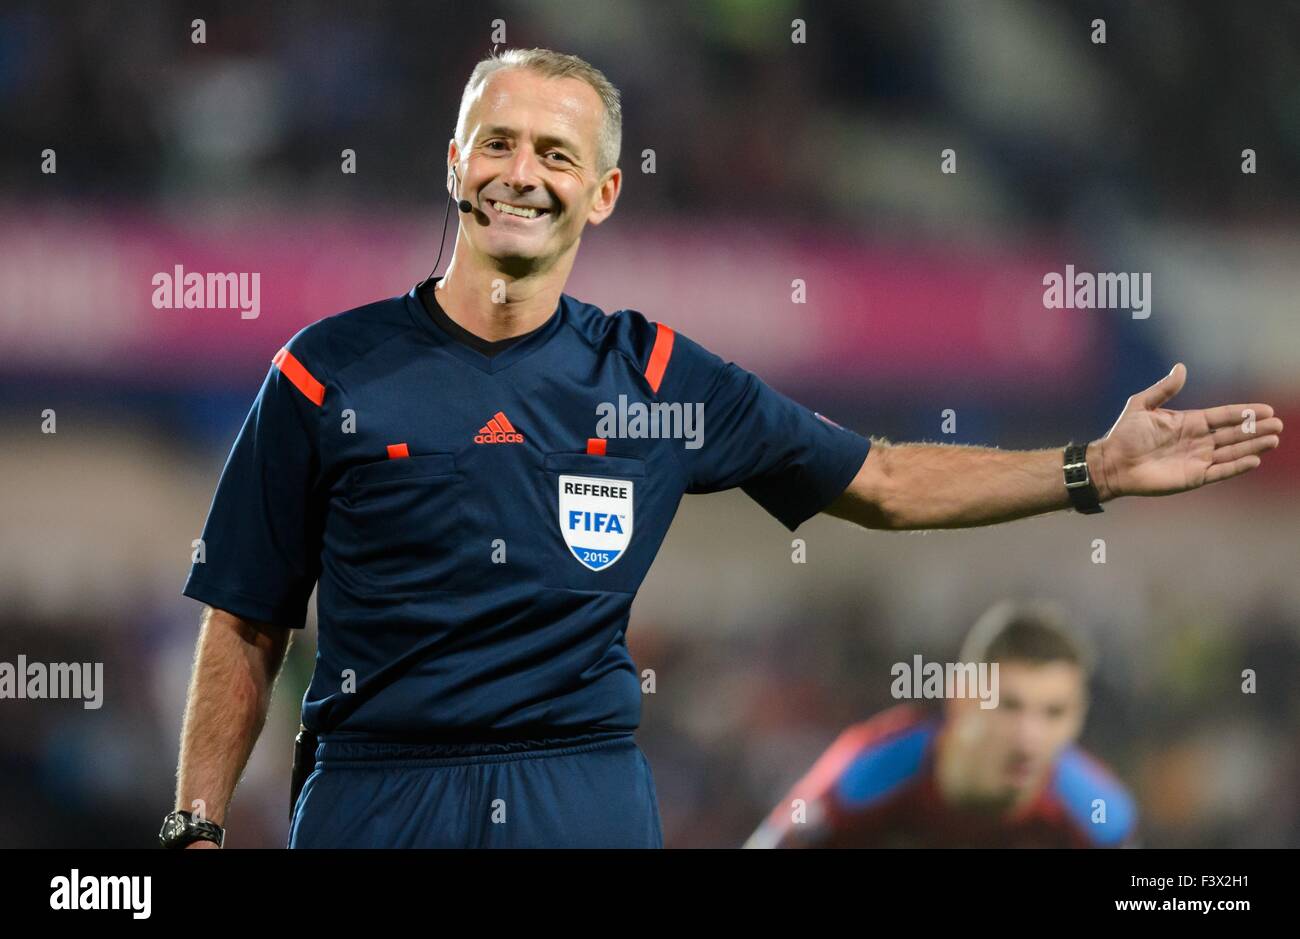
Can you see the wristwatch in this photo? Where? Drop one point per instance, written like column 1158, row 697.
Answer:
column 1078, row 484
column 181, row 828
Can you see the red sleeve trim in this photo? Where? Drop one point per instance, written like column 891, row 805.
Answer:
column 302, row 379
column 659, row 356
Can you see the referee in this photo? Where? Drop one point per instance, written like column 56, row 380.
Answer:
column 436, row 466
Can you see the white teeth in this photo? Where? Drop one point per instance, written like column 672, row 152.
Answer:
column 515, row 210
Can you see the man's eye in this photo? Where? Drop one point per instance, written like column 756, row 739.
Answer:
column 559, row 155
column 493, row 143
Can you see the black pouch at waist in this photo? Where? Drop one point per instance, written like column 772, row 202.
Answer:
column 304, row 760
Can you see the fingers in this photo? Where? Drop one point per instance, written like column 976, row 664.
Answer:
column 1221, row 471
column 1233, row 433
column 1236, row 451
column 1227, row 414
column 1165, row 388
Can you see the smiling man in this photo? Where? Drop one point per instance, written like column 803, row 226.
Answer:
column 432, row 465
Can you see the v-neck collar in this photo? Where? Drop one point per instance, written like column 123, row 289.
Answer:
column 490, row 364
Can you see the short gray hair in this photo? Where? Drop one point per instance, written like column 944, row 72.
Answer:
column 553, row 65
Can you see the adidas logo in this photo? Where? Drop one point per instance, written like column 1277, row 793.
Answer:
column 498, row 430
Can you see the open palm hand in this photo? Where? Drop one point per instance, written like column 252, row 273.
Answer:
column 1153, row 451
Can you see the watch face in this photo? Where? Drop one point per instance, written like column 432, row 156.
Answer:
column 173, row 828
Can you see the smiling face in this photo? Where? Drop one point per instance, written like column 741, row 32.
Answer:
column 529, row 166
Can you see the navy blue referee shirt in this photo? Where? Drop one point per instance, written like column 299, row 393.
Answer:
column 474, row 534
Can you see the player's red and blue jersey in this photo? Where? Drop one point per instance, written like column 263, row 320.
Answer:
column 474, row 541
column 875, row 787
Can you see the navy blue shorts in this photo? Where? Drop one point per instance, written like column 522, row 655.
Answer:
column 594, row 791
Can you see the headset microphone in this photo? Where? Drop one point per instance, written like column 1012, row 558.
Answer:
column 465, row 206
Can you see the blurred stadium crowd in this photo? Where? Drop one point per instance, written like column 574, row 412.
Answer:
column 743, row 121
column 772, row 160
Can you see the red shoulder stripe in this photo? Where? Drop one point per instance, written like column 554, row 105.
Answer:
column 297, row 373
column 659, row 356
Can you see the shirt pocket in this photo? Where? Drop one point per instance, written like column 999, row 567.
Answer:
column 400, row 524
column 591, row 504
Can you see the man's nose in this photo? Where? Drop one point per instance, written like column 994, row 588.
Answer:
column 1021, row 730
column 521, row 175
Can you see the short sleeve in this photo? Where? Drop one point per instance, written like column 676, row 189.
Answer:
column 261, row 544
column 791, row 461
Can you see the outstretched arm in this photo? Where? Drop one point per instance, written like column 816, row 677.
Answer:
column 1150, row 451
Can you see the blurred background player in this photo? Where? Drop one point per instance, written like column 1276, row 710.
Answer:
column 1007, row 776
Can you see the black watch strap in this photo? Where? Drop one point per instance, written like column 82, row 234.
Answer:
column 1078, row 484
column 181, row 828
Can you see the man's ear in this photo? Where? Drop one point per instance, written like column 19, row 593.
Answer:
column 606, row 196
column 453, row 155
column 1084, row 702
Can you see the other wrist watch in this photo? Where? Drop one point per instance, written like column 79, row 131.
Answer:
column 181, row 828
